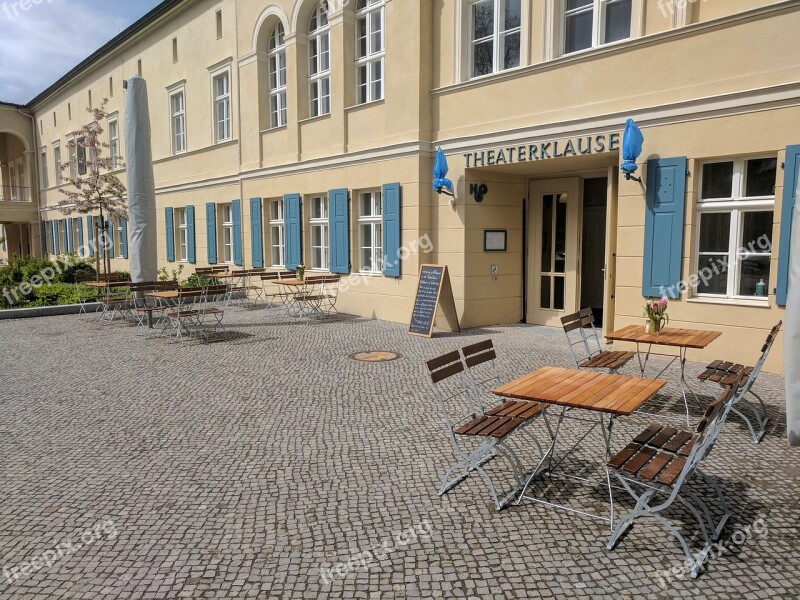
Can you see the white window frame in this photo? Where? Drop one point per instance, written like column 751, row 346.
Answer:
column 374, row 222
column 374, row 56
column 277, row 233
column 72, row 145
column 276, row 66
column 178, row 138
column 737, row 205
column 599, row 10
column 113, row 142
column 321, row 105
column 43, row 167
column 57, row 162
column 318, row 222
column 226, row 239
column 223, row 130
column 181, row 235
column 496, row 37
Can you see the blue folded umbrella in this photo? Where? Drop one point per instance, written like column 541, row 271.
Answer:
column 440, row 169
column 632, row 141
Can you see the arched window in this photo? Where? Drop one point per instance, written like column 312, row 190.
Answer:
column 319, row 62
column 370, row 50
column 277, row 77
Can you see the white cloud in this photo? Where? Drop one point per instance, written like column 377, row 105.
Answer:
column 42, row 43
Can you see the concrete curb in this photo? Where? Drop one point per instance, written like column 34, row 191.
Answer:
column 46, row 311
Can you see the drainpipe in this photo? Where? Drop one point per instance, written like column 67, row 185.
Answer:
column 524, row 260
column 35, row 178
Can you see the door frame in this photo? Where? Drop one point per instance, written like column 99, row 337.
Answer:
column 536, row 189
column 533, row 244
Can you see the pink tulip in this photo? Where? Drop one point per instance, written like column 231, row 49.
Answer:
column 663, row 303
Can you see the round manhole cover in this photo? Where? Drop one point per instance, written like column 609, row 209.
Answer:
column 375, row 356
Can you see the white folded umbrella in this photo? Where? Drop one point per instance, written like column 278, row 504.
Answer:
column 791, row 333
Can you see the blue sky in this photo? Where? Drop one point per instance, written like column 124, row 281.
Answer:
column 40, row 40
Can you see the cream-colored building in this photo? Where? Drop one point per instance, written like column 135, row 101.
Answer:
column 298, row 130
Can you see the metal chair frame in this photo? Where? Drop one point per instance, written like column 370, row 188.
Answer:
column 146, row 307
column 646, row 492
column 443, row 370
column 93, row 297
column 579, row 321
column 759, row 410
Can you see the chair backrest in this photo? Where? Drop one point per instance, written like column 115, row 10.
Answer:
column 165, row 286
column 581, row 335
column 109, row 277
column 142, row 286
column 84, row 277
column 481, row 362
column 287, row 274
column 708, row 430
column 314, row 280
column 765, row 350
column 270, row 276
column 450, row 389
column 218, row 294
column 220, row 269
column 204, row 270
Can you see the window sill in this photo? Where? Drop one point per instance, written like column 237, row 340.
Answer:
column 274, row 129
column 365, row 105
column 368, row 273
column 731, row 302
column 312, row 119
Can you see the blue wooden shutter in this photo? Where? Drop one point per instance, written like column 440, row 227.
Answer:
column 256, row 232
column 79, row 242
column 791, row 176
column 51, row 237
column 124, row 237
column 111, row 231
column 293, row 232
column 236, row 215
column 169, row 219
column 211, row 232
column 391, row 229
column 339, row 231
column 70, row 236
column 90, row 234
column 57, row 233
column 663, row 230
column 43, row 236
column 190, row 246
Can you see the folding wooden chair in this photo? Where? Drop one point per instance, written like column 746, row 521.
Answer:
column 483, row 376
column 719, row 370
column 147, row 308
column 216, row 301
column 590, row 353
column 85, row 297
column 183, row 313
column 662, row 462
column 271, row 291
column 465, row 422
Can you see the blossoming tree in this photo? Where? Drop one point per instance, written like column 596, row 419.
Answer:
column 93, row 187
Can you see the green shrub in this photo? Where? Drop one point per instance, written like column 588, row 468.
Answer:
column 54, row 294
column 196, row 281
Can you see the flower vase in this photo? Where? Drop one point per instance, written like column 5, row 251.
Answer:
column 654, row 326
column 300, row 274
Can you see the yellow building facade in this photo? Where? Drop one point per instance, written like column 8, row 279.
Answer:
column 294, row 131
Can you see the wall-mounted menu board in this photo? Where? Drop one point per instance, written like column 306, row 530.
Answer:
column 433, row 290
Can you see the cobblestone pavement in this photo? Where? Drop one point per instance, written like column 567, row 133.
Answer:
column 249, row 467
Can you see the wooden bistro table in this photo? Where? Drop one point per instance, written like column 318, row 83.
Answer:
column 682, row 339
column 107, row 286
column 607, row 396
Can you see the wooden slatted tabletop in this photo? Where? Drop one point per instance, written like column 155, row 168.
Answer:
column 617, row 394
column 669, row 336
column 166, row 295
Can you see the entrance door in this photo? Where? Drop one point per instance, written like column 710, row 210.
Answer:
column 593, row 244
column 554, row 250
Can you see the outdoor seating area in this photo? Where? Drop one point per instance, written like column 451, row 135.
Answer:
column 657, row 469
column 165, row 309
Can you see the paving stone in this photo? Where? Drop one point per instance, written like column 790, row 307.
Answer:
column 253, row 465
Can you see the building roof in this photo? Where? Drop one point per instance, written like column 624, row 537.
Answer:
column 138, row 26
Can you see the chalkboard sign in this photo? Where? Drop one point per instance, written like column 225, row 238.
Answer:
column 433, row 290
